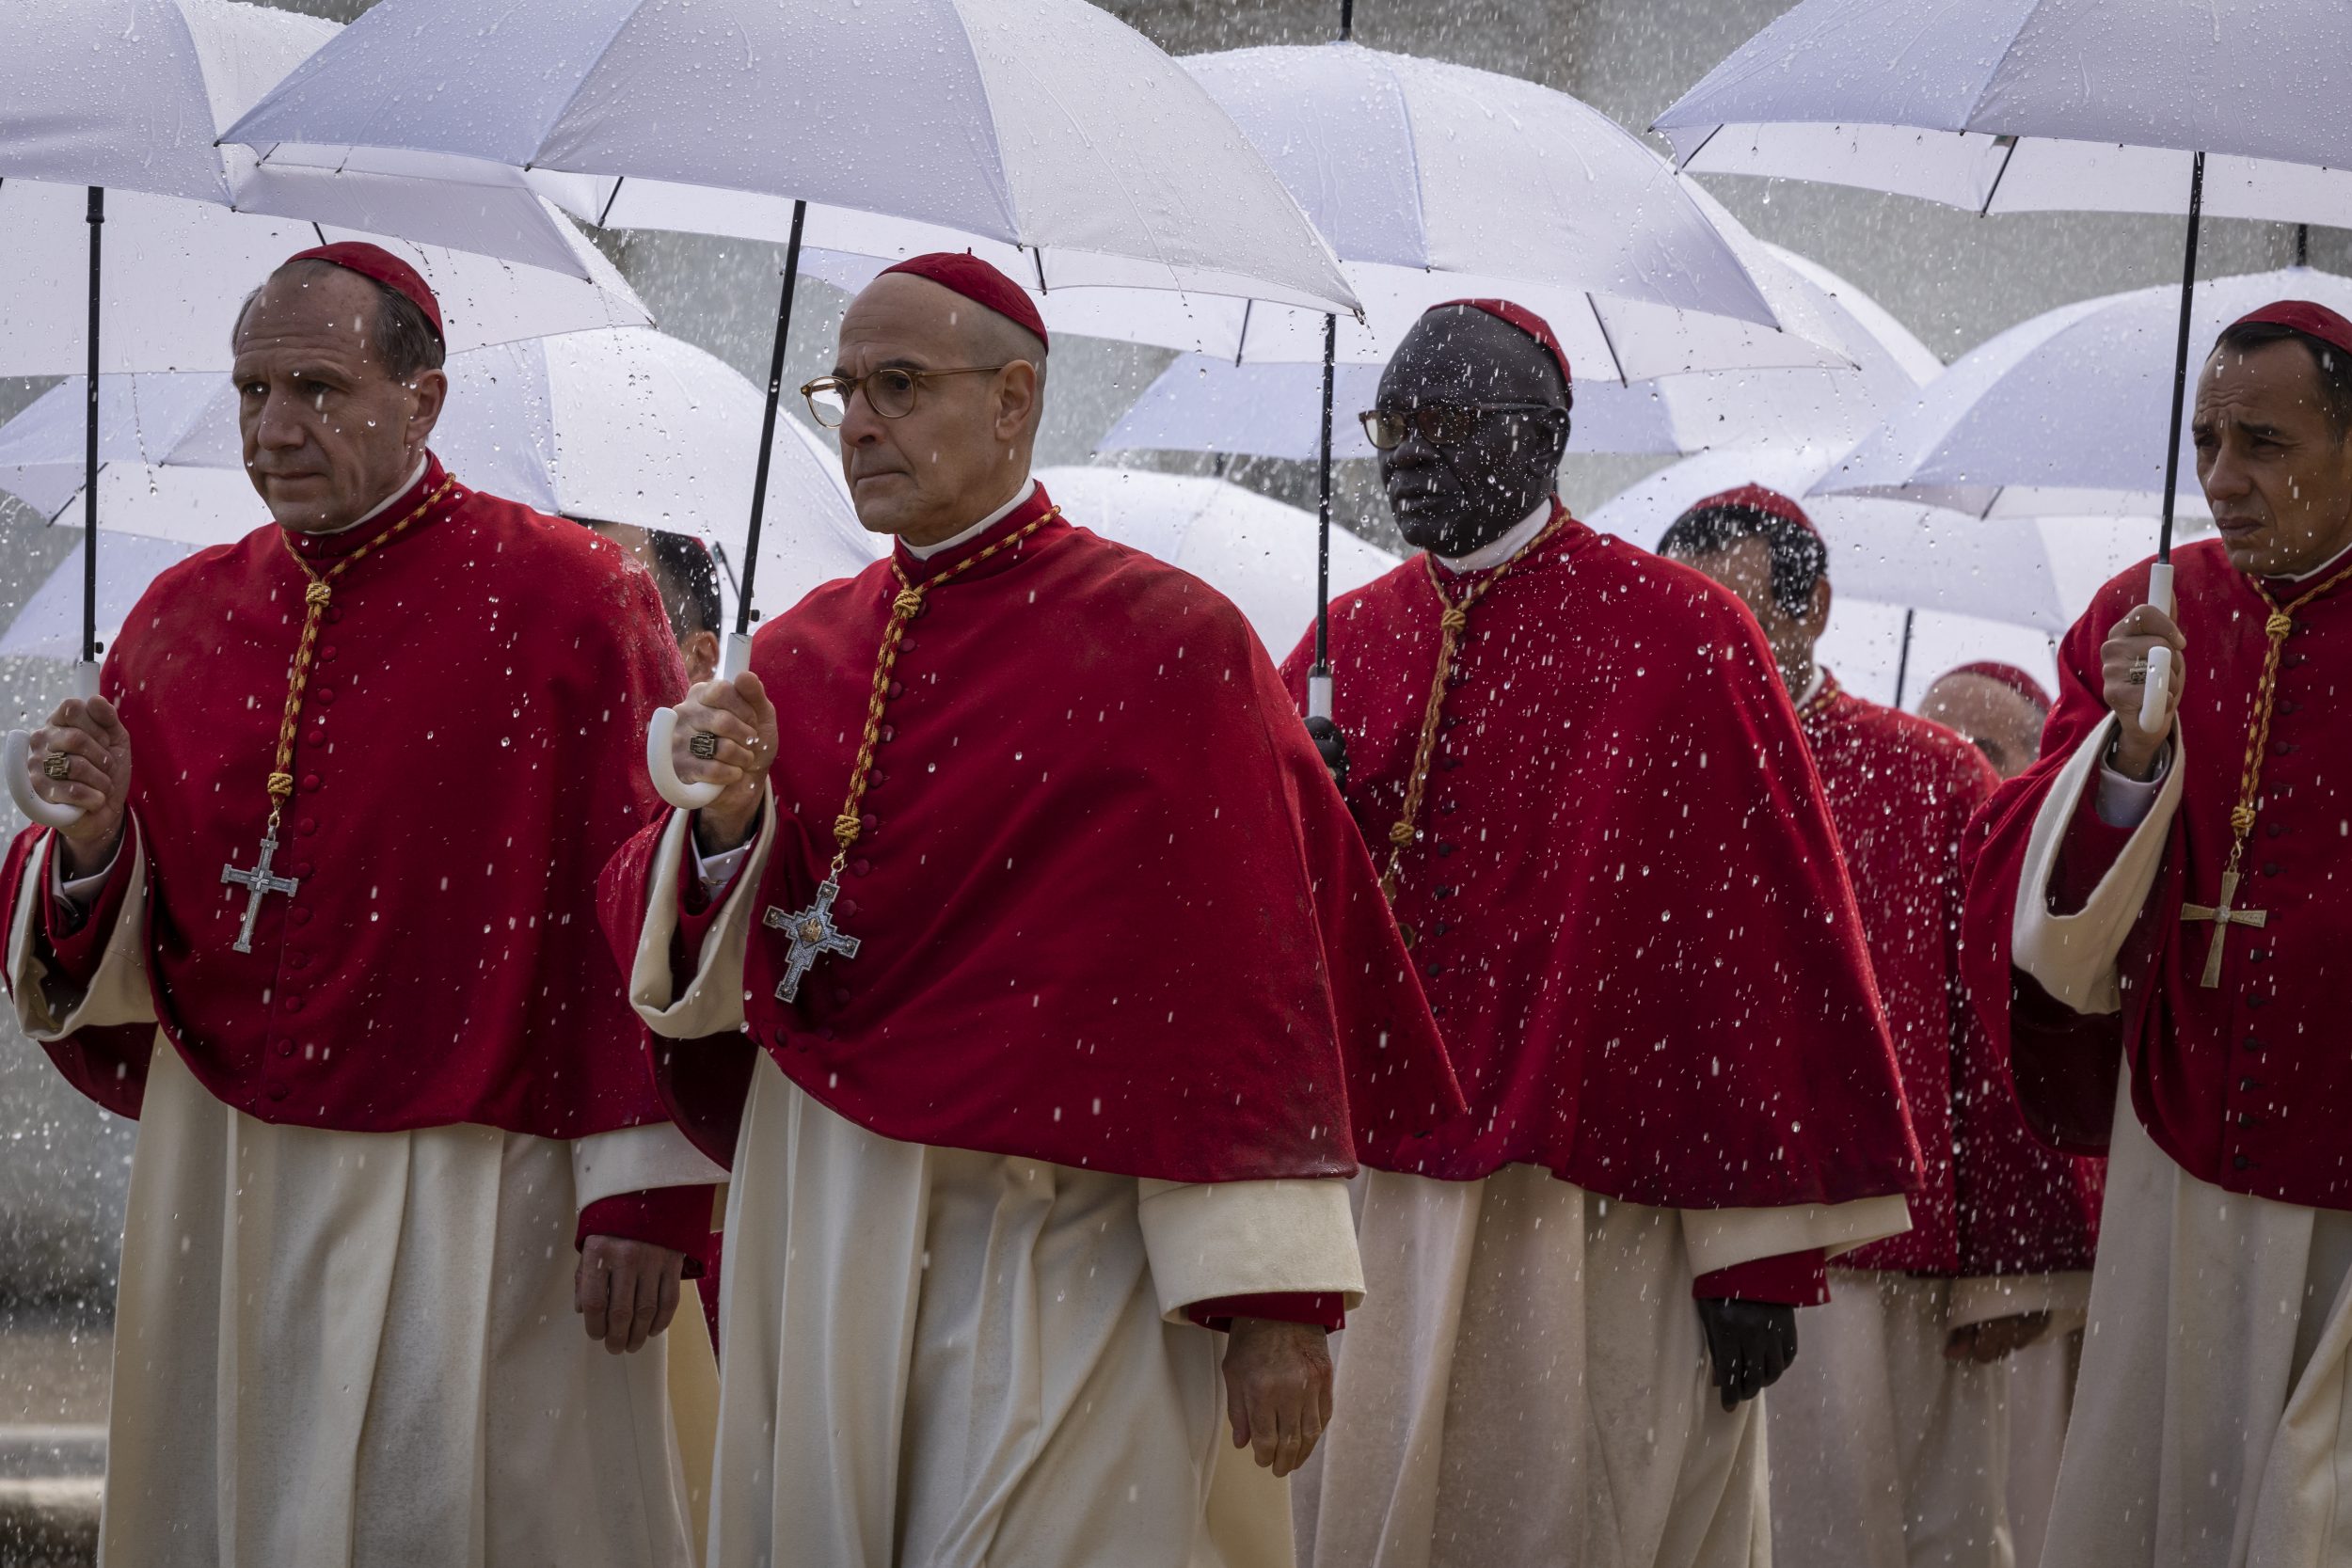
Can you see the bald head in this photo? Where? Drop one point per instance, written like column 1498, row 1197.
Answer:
column 1452, row 499
column 1995, row 717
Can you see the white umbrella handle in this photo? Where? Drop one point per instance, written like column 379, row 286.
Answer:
column 2157, row 695
column 1318, row 696
column 734, row 659
column 16, row 752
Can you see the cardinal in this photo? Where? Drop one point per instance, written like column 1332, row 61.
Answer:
column 1601, row 831
column 325, row 925
column 1890, row 1435
column 1055, row 998
column 1997, row 708
column 2155, row 926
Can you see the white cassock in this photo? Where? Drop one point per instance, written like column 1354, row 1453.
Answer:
column 2212, row 1422
column 1528, row 1383
column 2040, row 1402
column 1886, row 1455
column 358, row 1348
column 938, row 1357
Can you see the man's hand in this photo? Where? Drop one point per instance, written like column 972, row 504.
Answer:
column 1987, row 1342
column 1277, row 1389
column 1750, row 1344
column 2125, row 650
column 1333, row 746
column 739, row 713
column 628, row 1291
column 90, row 734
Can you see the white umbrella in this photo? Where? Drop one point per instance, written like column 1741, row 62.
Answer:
column 1271, row 410
column 1965, row 589
column 2099, row 105
column 1253, row 550
column 2003, row 432
column 627, row 426
column 50, row 624
column 1043, row 133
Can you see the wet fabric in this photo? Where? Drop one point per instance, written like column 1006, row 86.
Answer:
column 468, row 754
column 1991, row 1201
column 360, row 1349
column 1112, row 914
column 1627, row 906
column 1526, row 1383
column 2245, row 1085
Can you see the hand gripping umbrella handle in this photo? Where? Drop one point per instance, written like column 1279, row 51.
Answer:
column 2157, row 695
column 734, row 659
column 16, row 752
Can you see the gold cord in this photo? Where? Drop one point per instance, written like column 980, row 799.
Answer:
column 314, row 600
column 2275, row 630
column 904, row 606
column 1450, row 625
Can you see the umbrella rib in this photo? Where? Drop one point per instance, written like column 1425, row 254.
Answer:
column 607, row 210
column 1241, row 341
column 2000, row 174
column 1606, row 342
column 1685, row 163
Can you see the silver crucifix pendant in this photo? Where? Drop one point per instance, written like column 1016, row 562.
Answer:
column 813, row 935
column 261, row 883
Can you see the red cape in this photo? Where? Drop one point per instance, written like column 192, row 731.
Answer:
column 1630, row 915
column 1113, row 912
column 2247, row 1085
column 470, row 755
column 1992, row 1200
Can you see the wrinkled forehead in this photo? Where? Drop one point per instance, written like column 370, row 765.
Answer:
column 2267, row 379
column 900, row 317
column 309, row 308
column 1466, row 356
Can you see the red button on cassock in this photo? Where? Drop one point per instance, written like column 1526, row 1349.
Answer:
column 309, row 781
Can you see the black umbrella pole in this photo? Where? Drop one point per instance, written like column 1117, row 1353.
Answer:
column 768, row 423
column 2180, row 356
column 1319, row 678
column 89, row 443
column 1348, row 20
column 1902, row 660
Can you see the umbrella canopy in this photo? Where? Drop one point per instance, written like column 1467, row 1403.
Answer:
column 2064, row 414
column 50, row 624
column 186, row 267
column 620, row 427
column 1044, row 126
column 2017, row 105
column 1274, row 410
column 1253, row 550
column 132, row 96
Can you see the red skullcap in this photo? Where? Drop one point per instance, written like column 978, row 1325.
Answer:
column 1526, row 321
column 976, row 280
column 2006, row 674
column 374, row 261
column 2312, row 321
column 1756, row 498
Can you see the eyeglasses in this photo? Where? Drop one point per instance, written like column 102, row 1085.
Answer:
column 889, row 391
column 1440, row 424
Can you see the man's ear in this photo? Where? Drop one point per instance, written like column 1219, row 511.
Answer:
column 1016, row 401
column 430, row 390
column 1817, row 614
column 700, row 650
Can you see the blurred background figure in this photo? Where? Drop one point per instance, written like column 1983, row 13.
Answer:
column 683, row 569
column 1997, row 708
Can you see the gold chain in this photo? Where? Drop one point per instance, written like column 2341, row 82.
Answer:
column 905, row 607
column 1449, row 627
column 2275, row 630
column 314, row 599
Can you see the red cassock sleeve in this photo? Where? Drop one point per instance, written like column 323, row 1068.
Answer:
column 108, row 1064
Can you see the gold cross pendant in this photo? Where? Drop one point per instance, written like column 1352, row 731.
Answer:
column 2223, row 917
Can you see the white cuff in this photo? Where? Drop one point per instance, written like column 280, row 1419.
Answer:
column 1726, row 1238
column 2073, row 955
column 1213, row 1239
column 49, row 1007
column 2124, row 802
column 711, row 1001
column 2064, row 1295
column 82, row 892
column 716, row 871
column 637, row 1160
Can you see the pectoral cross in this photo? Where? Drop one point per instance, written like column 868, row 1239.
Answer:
column 2223, row 917
column 813, row 935
column 261, row 883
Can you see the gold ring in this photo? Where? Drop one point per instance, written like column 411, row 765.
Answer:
column 57, row 765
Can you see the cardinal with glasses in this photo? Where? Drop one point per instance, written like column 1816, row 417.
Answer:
column 1603, row 837
column 1054, row 997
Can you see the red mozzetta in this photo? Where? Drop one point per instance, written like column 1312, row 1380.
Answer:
column 1112, row 914
column 1628, row 911
column 468, row 755
column 2246, row 1084
column 1992, row 1200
